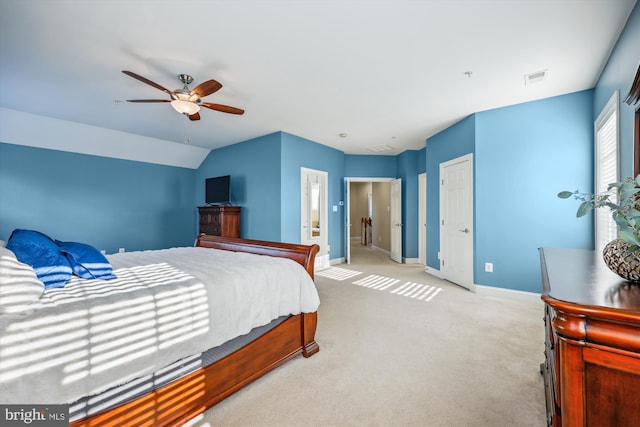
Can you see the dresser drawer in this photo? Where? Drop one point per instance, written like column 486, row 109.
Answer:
column 210, row 219
column 213, row 230
column 220, row 220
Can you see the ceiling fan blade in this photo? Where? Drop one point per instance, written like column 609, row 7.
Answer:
column 206, row 88
column 147, row 81
column 223, row 108
column 194, row 116
column 148, row 100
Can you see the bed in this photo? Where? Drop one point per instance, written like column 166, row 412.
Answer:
column 192, row 383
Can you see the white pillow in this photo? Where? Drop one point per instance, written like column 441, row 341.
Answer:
column 19, row 285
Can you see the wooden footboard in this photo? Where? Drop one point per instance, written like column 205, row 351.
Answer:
column 193, row 394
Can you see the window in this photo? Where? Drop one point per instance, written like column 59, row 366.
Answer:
column 633, row 99
column 606, row 168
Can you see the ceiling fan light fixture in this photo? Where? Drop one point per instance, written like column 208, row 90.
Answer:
column 185, row 107
column 182, row 95
column 186, row 101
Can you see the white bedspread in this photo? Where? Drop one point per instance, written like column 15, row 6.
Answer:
column 165, row 305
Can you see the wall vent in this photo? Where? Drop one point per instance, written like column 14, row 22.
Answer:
column 536, row 77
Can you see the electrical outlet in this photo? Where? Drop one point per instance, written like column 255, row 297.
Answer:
column 488, row 267
column 121, row 250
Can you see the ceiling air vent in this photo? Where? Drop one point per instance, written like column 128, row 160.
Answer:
column 536, row 77
column 380, row 148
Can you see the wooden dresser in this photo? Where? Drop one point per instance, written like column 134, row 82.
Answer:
column 220, row 220
column 592, row 321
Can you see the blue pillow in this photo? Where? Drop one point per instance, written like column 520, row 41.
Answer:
column 86, row 261
column 41, row 253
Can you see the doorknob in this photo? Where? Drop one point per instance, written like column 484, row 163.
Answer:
column 466, row 230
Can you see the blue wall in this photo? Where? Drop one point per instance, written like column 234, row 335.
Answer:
column 525, row 155
column 299, row 152
column 105, row 202
column 408, row 166
column 455, row 141
column 265, row 181
column 264, row 166
column 618, row 75
column 369, row 166
column 112, row 203
column 254, row 166
column 422, row 160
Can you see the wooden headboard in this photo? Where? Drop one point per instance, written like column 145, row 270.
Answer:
column 304, row 255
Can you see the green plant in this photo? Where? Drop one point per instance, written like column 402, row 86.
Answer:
column 625, row 207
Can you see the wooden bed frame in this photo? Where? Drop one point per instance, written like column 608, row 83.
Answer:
column 189, row 396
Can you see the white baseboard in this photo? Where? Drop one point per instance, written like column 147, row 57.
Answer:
column 492, row 290
column 322, row 261
column 384, row 251
column 432, row 271
column 411, row 260
column 336, row 261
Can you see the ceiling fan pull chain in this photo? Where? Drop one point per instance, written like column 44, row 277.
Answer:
column 186, row 137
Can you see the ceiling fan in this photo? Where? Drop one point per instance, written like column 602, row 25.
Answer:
column 185, row 101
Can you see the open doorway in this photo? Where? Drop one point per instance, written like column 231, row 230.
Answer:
column 369, row 211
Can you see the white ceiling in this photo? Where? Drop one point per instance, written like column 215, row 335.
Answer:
column 383, row 72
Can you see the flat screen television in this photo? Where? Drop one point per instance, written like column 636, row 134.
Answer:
column 217, row 190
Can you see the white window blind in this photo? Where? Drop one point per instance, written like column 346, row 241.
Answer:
column 606, row 168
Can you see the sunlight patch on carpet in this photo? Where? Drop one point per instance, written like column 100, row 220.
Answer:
column 376, row 282
column 338, row 273
column 413, row 290
column 417, row 291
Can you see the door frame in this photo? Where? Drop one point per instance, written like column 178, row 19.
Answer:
column 422, row 218
column 395, row 218
column 322, row 258
column 347, row 224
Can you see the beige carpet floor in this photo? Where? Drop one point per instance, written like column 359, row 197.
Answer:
column 399, row 347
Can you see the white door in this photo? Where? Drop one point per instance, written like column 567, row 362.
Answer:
column 347, row 219
column 396, row 220
column 422, row 219
column 456, row 221
column 314, row 212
